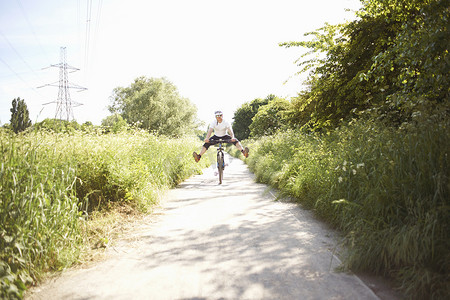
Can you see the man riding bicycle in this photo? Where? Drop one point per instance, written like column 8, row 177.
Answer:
column 220, row 128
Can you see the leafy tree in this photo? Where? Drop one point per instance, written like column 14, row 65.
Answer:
column 391, row 59
column 154, row 104
column 20, row 119
column 415, row 62
column 243, row 117
column 335, row 88
column 270, row 117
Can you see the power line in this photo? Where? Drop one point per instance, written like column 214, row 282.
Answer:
column 18, row 76
column 88, row 33
column 90, row 38
column 17, row 53
column 11, row 69
column 97, row 22
column 99, row 13
column 30, row 26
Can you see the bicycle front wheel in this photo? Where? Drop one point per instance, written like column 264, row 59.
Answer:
column 220, row 165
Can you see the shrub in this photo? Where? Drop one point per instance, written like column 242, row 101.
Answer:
column 386, row 189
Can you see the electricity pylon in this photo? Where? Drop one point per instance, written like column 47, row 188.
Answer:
column 64, row 104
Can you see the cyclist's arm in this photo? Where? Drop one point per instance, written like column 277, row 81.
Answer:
column 208, row 135
column 230, row 130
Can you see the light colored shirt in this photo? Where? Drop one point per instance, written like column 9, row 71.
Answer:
column 220, row 129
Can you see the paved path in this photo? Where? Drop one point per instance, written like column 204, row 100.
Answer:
column 210, row 241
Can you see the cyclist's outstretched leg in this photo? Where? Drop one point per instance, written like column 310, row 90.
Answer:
column 243, row 150
column 197, row 157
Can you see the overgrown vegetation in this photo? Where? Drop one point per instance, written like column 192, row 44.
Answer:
column 387, row 190
column 50, row 183
column 366, row 144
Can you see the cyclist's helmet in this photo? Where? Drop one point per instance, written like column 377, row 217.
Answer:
column 218, row 113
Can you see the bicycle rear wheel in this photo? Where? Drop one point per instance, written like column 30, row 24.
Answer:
column 220, row 165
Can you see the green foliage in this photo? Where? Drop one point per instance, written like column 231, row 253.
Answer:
column 56, row 125
column 243, row 117
column 369, row 140
column 115, row 123
column 134, row 167
column 270, row 117
column 51, row 182
column 415, row 61
column 20, row 119
column 391, row 60
column 386, row 189
column 38, row 212
column 155, row 105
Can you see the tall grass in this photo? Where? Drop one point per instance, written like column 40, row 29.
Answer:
column 38, row 212
column 51, row 182
column 386, row 189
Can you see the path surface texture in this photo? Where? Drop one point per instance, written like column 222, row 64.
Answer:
column 210, row 241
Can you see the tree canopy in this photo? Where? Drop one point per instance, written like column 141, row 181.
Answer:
column 392, row 59
column 391, row 63
column 243, row 116
column 270, row 117
column 154, row 104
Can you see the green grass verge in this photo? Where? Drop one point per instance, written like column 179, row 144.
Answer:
column 386, row 189
column 51, row 183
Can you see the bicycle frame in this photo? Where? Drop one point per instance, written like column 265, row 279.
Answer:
column 220, row 158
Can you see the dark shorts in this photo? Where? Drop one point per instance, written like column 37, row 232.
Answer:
column 213, row 140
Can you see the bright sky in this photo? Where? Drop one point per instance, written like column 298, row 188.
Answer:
column 219, row 54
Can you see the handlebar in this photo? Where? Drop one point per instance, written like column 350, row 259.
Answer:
column 220, row 141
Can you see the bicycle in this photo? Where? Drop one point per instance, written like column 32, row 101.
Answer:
column 220, row 157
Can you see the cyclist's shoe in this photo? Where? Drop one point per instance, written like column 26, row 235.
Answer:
column 245, row 152
column 196, row 157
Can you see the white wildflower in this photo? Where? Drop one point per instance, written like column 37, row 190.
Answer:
column 360, row 165
column 340, row 179
column 354, row 171
column 416, row 114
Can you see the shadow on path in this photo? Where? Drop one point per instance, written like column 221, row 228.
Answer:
column 229, row 241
